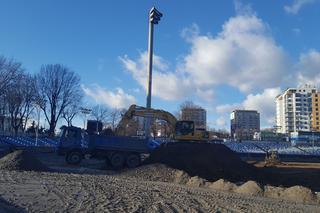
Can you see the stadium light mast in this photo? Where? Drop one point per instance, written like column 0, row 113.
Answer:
column 154, row 18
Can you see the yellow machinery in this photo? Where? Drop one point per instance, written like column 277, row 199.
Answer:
column 272, row 158
column 180, row 130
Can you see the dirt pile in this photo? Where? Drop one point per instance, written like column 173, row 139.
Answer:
column 294, row 193
column 21, row 160
column 250, row 188
column 274, row 192
column 181, row 177
column 223, row 185
column 155, row 172
column 208, row 161
column 196, row 181
column 299, row 194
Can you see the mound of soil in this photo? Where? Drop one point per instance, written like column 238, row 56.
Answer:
column 250, row 188
column 208, row 161
column 223, row 185
column 299, row 194
column 21, row 160
column 196, row 182
column 181, row 177
column 154, row 172
column 294, row 193
column 274, row 192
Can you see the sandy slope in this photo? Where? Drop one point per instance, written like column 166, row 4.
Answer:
column 104, row 193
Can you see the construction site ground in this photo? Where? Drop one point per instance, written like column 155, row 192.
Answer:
column 89, row 187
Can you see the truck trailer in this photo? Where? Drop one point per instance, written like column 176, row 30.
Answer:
column 118, row 151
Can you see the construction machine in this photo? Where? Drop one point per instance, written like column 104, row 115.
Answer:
column 272, row 158
column 180, row 130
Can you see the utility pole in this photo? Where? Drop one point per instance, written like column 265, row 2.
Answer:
column 154, row 18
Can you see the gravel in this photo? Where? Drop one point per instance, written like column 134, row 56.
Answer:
column 21, row 160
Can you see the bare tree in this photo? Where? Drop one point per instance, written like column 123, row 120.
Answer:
column 9, row 69
column 70, row 112
column 189, row 105
column 29, row 95
column 100, row 113
column 57, row 88
column 19, row 97
column 114, row 117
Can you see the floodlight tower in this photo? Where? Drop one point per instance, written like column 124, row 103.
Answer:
column 154, row 18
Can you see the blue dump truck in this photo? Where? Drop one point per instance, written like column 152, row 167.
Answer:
column 118, row 151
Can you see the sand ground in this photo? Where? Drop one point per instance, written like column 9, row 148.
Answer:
column 86, row 189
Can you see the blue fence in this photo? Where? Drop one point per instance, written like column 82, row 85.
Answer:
column 24, row 141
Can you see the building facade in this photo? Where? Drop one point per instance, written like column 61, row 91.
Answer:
column 244, row 124
column 316, row 112
column 198, row 115
column 294, row 109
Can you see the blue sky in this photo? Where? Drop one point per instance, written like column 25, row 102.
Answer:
column 220, row 54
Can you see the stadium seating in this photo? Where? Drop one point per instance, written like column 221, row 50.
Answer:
column 264, row 146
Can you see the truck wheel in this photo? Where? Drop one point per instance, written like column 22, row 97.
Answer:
column 74, row 158
column 133, row 160
column 117, row 160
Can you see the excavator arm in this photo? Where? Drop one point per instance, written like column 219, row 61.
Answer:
column 140, row 111
column 179, row 130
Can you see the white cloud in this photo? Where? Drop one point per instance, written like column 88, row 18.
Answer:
column 263, row 102
column 228, row 108
column 117, row 99
column 243, row 55
column 166, row 84
column 296, row 5
column 221, row 122
column 136, row 90
column 308, row 68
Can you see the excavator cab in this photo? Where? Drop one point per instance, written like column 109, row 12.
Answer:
column 184, row 128
column 186, row 131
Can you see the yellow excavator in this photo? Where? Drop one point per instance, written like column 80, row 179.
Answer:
column 180, row 130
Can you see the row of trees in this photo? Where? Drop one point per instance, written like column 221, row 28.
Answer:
column 54, row 90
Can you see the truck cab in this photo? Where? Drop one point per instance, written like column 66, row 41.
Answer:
column 72, row 138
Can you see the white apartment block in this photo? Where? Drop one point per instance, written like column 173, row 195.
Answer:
column 294, row 109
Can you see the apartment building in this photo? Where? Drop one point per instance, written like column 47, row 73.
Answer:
column 244, row 124
column 197, row 114
column 315, row 112
column 294, row 109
